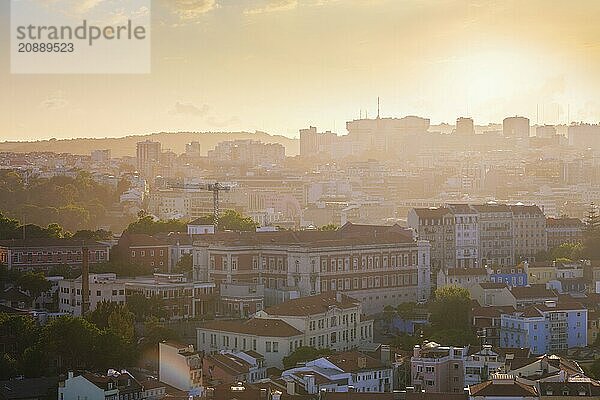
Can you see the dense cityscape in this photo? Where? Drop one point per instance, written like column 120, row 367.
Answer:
column 399, row 260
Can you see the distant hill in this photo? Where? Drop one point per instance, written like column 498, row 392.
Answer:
column 125, row 146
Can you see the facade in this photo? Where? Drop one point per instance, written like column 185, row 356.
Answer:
column 273, row 338
column 516, row 127
column 103, row 287
column 148, row 156
column 240, row 300
column 114, row 385
column 546, row 328
column 144, row 250
column 312, row 142
column 181, row 298
column 564, row 230
column 512, row 276
column 436, row 225
column 466, row 240
column 179, row 366
column 463, row 277
column 342, row 372
column 541, row 272
column 329, row 320
column 464, row 127
column 480, row 364
column 438, row 369
column 43, row 254
column 377, row 265
column 246, row 152
column 492, row 294
column 529, row 229
column 495, row 235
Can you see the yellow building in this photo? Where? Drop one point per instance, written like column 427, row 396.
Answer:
column 541, row 272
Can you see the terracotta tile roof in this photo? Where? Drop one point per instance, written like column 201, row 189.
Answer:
column 533, row 292
column 493, row 285
column 523, row 209
column 311, row 305
column 562, row 389
column 432, row 213
column 41, row 242
column 490, row 208
column 564, row 223
column 349, row 234
column 141, row 239
column 466, row 271
column 436, row 396
column 350, row 361
column 254, row 326
column 494, row 388
column 233, row 365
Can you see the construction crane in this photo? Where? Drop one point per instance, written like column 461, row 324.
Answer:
column 215, row 188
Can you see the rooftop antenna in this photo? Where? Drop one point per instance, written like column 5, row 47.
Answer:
column 537, row 114
column 377, row 107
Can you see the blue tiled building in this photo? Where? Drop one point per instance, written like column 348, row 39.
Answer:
column 548, row 328
column 512, row 276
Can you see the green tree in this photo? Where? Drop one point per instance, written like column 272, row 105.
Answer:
column 451, row 308
column 34, row 283
column 155, row 332
column 71, row 341
column 87, row 234
column 120, row 322
column 305, row 353
column 231, row 220
column 185, row 264
column 144, row 308
column 329, row 227
column 146, row 224
column 99, row 316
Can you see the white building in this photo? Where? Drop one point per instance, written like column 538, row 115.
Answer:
column 342, row 372
column 273, row 338
column 112, row 386
column 330, row 320
column 179, row 366
column 103, row 287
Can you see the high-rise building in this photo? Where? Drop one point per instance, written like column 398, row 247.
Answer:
column 545, row 131
column 385, row 134
column 584, row 136
column 516, row 127
column 100, row 156
column 148, row 155
column 465, row 127
column 192, row 149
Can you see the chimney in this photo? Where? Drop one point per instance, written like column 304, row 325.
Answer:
column 417, row 351
column 70, row 374
column 362, row 362
column 385, row 354
column 85, row 280
column 276, row 395
column 291, row 388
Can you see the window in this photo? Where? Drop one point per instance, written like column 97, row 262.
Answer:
column 275, row 347
column 268, row 347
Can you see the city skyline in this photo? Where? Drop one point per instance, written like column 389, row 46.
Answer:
column 279, row 66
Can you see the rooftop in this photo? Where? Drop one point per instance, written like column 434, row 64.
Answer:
column 311, row 305
column 255, row 326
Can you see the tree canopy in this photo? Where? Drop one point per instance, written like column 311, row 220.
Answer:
column 305, row 353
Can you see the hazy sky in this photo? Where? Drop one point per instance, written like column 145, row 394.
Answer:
column 281, row 65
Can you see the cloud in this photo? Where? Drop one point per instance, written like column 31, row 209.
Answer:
column 55, row 101
column 212, row 121
column 191, row 10
column 189, row 109
column 272, row 6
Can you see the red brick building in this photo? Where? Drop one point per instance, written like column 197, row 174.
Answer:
column 43, row 254
column 144, row 250
column 377, row 265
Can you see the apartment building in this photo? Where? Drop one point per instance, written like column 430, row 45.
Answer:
column 463, row 277
column 246, row 152
column 43, row 254
column 512, row 276
column 436, row 225
column 529, row 229
column 103, row 287
column 179, row 365
column 553, row 326
column 377, row 265
column 563, row 230
column 466, row 242
column 438, row 369
column 329, row 320
column 342, row 372
column 496, row 245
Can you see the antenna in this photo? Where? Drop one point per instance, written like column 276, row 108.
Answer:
column 377, row 107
